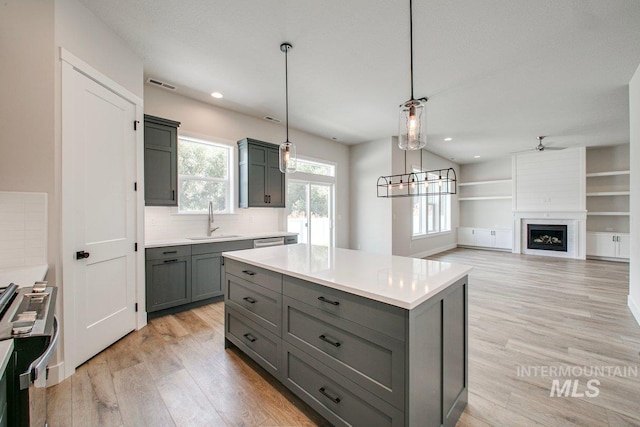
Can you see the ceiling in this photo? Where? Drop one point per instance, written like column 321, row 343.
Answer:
column 497, row 73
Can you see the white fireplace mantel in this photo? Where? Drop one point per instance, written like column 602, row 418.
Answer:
column 576, row 222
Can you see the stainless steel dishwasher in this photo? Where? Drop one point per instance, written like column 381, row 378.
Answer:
column 271, row 241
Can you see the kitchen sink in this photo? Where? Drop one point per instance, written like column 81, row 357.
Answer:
column 216, row 237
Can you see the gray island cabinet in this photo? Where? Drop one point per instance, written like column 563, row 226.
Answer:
column 365, row 339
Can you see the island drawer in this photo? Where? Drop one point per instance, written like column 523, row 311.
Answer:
column 168, row 252
column 258, row 343
column 370, row 359
column 375, row 315
column 261, row 305
column 269, row 279
column 337, row 399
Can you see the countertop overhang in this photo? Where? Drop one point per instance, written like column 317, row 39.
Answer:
column 186, row 241
column 23, row 276
column 399, row 281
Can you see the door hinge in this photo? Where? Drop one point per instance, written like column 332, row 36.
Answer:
column 135, row 124
column 135, row 186
column 136, row 307
column 135, row 246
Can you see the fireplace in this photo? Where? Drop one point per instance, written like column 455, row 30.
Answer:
column 547, row 237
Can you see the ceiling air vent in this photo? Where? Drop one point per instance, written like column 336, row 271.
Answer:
column 272, row 119
column 162, row 84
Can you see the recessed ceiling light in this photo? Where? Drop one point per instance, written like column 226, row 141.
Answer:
column 476, row 157
column 448, row 139
column 217, row 95
column 334, row 138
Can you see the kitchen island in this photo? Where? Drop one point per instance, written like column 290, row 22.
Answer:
column 365, row 339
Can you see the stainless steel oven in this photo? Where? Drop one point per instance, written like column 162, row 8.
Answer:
column 28, row 318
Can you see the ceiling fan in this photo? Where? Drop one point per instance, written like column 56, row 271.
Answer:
column 540, row 147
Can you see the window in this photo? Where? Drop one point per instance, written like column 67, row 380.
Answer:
column 204, row 175
column 315, row 168
column 431, row 214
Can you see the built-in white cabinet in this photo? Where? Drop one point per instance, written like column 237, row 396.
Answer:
column 485, row 237
column 608, row 245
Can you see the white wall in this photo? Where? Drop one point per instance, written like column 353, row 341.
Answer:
column 403, row 243
column 80, row 32
column 207, row 121
column 634, row 149
column 27, row 103
column 370, row 215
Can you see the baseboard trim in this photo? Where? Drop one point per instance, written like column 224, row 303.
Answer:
column 433, row 251
column 634, row 307
column 485, row 248
column 55, row 374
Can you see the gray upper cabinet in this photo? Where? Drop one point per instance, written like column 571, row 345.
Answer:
column 261, row 182
column 160, row 161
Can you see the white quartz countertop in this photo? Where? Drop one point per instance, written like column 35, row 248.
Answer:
column 399, row 281
column 23, row 276
column 186, row 241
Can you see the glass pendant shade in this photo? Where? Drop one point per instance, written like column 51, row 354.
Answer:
column 288, row 160
column 412, row 129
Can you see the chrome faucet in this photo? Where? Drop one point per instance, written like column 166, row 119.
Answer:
column 211, row 228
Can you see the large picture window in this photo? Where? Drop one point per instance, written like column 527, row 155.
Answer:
column 432, row 213
column 204, row 174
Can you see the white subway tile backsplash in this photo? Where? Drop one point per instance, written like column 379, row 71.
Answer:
column 23, row 229
column 165, row 223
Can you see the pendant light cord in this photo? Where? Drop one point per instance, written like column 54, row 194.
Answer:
column 286, row 88
column 411, row 42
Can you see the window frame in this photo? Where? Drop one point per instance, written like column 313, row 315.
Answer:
column 424, row 201
column 229, row 181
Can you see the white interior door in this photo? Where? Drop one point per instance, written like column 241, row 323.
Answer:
column 99, row 214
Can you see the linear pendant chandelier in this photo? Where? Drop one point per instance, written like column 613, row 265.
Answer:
column 288, row 161
column 435, row 182
column 412, row 128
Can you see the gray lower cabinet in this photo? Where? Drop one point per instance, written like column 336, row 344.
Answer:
column 179, row 275
column 206, row 276
column 168, row 283
column 356, row 361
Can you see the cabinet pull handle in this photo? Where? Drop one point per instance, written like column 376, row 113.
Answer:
column 269, row 197
column 250, row 337
column 265, row 198
column 330, row 341
column 328, row 396
column 613, row 238
column 173, row 194
column 328, row 301
column 169, row 252
column 249, row 300
column 249, row 272
column 167, row 261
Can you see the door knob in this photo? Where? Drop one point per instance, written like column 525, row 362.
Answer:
column 82, row 255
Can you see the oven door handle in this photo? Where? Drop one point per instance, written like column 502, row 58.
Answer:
column 39, row 366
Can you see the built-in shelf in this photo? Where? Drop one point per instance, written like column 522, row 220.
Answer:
column 608, row 213
column 608, row 193
column 610, row 173
column 485, row 198
column 497, row 181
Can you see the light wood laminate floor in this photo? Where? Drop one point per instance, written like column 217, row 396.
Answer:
column 524, row 311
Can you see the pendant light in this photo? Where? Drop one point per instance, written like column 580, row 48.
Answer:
column 412, row 130
column 287, row 149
